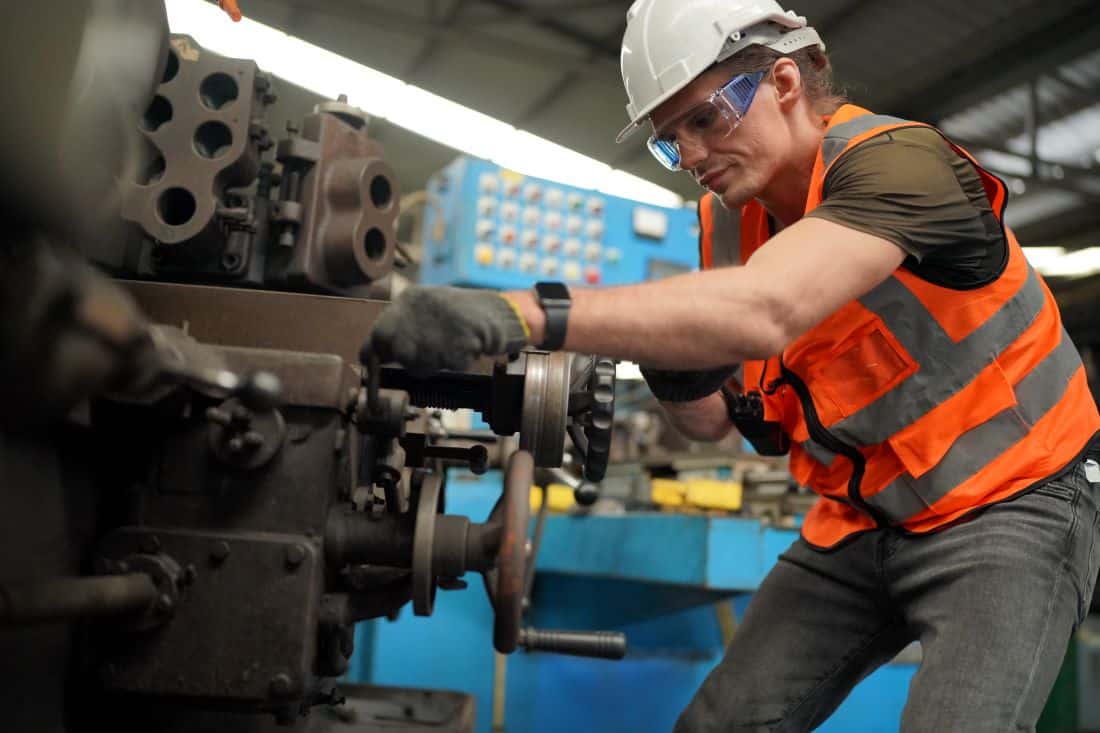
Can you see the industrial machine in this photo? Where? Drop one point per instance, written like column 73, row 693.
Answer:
column 486, row 226
column 204, row 490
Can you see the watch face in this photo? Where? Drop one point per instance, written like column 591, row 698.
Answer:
column 551, row 291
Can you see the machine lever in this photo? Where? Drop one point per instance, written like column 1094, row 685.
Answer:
column 600, row 644
column 477, row 456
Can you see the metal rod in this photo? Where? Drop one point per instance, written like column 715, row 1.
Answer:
column 68, row 599
column 1033, row 123
column 374, row 370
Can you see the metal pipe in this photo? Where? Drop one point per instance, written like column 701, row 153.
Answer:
column 353, row 537
column 68, row 599
column 1033, row 124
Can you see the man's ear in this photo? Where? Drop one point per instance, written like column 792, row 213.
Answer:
column 788, row 83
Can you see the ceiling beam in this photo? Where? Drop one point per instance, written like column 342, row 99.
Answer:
column 1085, row 181
column 551, row 20
column 559, row 10
column 563, row 83
column 429, row 50
column 1008, row 66
column 415, row 26
column 1073, row 229
column 1089, row 94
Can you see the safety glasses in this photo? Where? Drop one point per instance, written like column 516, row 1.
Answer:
column 709, row 122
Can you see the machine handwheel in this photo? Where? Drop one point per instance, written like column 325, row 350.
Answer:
column 601, row 417
column 505, row 582
column 423, row 576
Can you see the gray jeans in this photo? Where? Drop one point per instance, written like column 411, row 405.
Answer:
column 992, row 600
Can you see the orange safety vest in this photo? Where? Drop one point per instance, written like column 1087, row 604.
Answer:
column 916, row 403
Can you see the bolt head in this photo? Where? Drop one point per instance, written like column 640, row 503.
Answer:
column 219, row 551
column 280, row 684
column 295, row 554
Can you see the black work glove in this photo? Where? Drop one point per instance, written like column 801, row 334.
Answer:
column 431, row 328
column 685, row 386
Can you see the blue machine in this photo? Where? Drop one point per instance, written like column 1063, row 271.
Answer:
column 494, row 228
column 662, row 579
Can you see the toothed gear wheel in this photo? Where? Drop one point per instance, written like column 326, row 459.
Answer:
column 601, row 415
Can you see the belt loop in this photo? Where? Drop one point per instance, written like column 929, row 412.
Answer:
column 1092, row 471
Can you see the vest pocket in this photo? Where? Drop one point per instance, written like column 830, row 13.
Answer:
column 865, row 366
column 954, row 425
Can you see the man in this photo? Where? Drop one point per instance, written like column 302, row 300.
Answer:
column 892, row 337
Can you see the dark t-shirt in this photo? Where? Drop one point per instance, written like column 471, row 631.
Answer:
column 910, row 187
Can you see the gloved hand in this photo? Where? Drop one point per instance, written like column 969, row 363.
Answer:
column 431, row 328
column 686, row 386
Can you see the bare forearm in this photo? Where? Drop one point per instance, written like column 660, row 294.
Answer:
column 704, row 420
column 693, row 321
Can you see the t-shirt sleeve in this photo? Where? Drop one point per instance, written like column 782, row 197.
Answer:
column 911, row 188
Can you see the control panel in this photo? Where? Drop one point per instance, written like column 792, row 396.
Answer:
column 491, row 227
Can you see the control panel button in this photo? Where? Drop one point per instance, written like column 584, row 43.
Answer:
column 554, row 197
column 573, row 225
column 507, row 236
column 549, row 267
column 572, row 271
column 528, row 261
column 509, row 211
column 613, row 255
column 595, row 206
column 485, row 230
column 576, row 201
column 488, row 183
column 592, row 251
column 592, row 275
column 532, row 193
column 483, row 253
column 530, row 238
column 594, row 229
column 553, row 221
column 551, row 242
column 572, row 247
column 531, row 216
column 486, row 206
column 511, row 187
column 506, row 258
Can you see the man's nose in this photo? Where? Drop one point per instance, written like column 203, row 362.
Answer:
column 692, row 154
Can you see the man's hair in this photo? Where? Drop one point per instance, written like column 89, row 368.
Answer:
column 813, row 64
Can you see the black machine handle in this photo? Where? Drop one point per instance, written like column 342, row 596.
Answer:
column 600, row 644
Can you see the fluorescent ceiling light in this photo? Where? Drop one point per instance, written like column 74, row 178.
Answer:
column 1057, row 262
column 405, row 105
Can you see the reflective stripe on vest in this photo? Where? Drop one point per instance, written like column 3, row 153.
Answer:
column 1036, row 394
column 938, row 379
column 820, row 453
column 837, row 138
column 723, row 234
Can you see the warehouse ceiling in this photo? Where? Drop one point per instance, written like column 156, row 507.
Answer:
column 1017, row 80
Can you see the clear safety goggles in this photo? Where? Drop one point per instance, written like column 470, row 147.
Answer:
column 709, row 122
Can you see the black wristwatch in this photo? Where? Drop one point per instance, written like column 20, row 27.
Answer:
column 554, row 300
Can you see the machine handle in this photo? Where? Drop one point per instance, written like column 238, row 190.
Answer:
column 600, row 644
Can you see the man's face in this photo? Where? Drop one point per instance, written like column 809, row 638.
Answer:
column 736, row 166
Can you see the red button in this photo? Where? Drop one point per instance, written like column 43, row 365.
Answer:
column 592, row 277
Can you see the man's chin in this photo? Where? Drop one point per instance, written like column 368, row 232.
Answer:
column 734, row 197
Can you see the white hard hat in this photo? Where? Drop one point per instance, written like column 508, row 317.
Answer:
column 670, row 42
